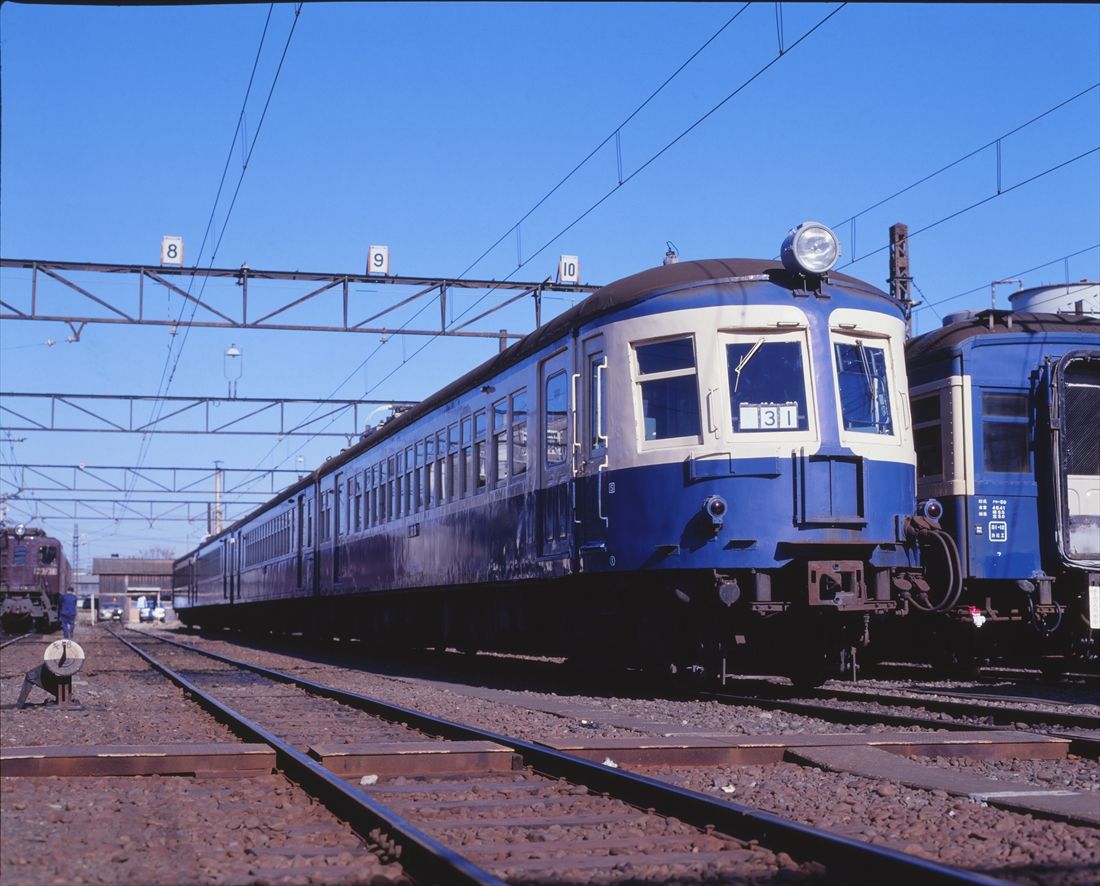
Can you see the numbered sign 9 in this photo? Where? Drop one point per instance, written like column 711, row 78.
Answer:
column 378, row 261
column 171, row 251
column 569, row 269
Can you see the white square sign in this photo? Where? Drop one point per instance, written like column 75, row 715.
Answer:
column 378, row 261
column 171, row 251
column 569, row 269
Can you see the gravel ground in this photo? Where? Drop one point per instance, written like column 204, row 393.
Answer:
column 123, row 702
column 930, row 824
column 176, row 830
column 933, row 824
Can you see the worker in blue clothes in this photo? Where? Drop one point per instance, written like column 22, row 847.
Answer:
column 68, row 613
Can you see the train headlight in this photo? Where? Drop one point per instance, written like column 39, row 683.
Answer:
column 931, row 509
column 811, row 248
column 20, row 530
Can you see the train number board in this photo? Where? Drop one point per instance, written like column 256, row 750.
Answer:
column 767, row 416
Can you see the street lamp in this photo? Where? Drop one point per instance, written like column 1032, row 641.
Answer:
column 233, row 367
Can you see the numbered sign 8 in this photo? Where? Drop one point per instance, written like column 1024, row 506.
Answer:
column 171, row 251
column 378, row 261
column 569, row 269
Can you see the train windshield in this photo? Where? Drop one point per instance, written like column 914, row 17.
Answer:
column 1080, row 457
column 767, row 383
column 862, row 377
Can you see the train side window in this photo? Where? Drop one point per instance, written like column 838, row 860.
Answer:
column 481, row 475
column 453, row 487
column 358, row 502
column 429, row 472
column 519, row 432
column 669, row 391
column 557, row 418
column 309, row 523
column 927, row 435
column 1005, row 433
column 500, row 441
column 465, row 463
column 596, row 410
column 440, row 463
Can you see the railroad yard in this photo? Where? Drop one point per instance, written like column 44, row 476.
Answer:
column 492, row 769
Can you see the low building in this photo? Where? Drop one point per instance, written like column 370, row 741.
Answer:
column 129, row 584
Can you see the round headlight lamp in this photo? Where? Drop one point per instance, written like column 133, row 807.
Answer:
column 811, row 248
column 930, row 508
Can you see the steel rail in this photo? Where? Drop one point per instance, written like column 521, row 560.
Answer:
column 13, row 640
column 977, row 708
column 854, row 861
column 421, row 855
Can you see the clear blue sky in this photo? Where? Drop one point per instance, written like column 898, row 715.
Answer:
column 433, row 128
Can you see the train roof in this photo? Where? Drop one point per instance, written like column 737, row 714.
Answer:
column 990, row 322
column 615, row 296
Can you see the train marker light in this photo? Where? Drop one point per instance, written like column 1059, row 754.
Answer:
column 930, row 508
column 715, row 507
column 811, row 248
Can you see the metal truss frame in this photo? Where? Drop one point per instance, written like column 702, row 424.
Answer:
column 159, row 481
column 243, row 409
column 133, row 310
column 147, row 511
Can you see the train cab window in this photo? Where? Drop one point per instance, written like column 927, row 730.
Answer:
column 1005, row 433
column 927, row 435
column 767, row 384
column 481, row 453
column 519, row 432
column 47, row 554
column 557, row 418
column 500, row 441
column 863, row 379
column 669, row 389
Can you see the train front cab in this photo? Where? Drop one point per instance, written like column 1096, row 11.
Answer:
column 1006, row 440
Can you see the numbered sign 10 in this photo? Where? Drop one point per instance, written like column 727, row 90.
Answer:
column 171, row 251
column 569, row 269
column 378, row 261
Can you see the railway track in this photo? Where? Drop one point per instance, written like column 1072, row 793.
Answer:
column 547, row 813
column 970, row 713
column 8, row 641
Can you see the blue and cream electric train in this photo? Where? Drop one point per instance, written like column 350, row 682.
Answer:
column 706, row 464
column 1006, row 411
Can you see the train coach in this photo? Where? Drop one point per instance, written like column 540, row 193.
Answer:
column 706, row 465
column 1005, row 407
column 33, row 573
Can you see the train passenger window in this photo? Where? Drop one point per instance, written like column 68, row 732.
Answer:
column 480, row 451
column 557, row 418
column 669, row 392
column 767, row 383
column 358, row 502
column 863, row 378
column 410, row 461
column 452, row 463
column 1005, row 439
column 464, row 461
column 309, row 523
column 519, row 432
column 500, row 441
column 429, row 472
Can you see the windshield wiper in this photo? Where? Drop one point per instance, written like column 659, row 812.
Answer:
column 866, row 364
column 744, row 362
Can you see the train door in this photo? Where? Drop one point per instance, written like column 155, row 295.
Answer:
column 554, row 495
column 300, row 530
column 336, row 528
column 590, row 449
column 225, row 569
column 1076, row 480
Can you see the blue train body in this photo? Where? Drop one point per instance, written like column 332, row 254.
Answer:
column 1005, row 408
column 704, row 461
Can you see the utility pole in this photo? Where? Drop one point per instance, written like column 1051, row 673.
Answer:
column 899, row 273
column 76, row 550
column 217, row 496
